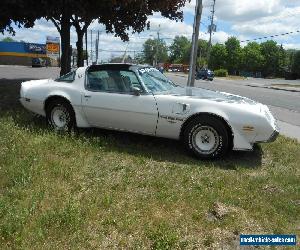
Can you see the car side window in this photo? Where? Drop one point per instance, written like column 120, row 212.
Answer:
column 69, row 77
column 113, row 81
column 130, row 80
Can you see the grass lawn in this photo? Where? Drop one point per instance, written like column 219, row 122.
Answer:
column 232, row 77
column 109, row 190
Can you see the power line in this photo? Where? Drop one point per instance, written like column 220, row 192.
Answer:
column 272, row 36
column 119, row 51
column 243, row 41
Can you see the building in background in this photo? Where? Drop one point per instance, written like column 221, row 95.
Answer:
column 20, row 53
column 53, row 50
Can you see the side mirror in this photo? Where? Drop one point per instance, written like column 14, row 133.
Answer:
column 136, row 91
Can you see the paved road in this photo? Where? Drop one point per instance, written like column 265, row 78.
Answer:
column 22, row 72
column 285, row 105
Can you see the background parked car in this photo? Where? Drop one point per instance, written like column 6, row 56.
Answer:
column 205, row 74
column 291, row 76
column 38, row 62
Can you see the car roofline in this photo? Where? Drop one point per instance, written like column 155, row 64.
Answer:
column 115, row 66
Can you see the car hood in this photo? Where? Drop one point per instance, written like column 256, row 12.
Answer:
column 200, row 93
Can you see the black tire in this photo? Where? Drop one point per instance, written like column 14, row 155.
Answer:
column 65, row 122
column 206, row 137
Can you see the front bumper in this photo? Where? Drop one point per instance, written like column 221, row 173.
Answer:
column 273, row 137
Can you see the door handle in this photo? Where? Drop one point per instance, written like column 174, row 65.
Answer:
column 87, row 96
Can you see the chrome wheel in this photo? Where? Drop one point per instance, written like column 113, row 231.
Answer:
column 206, row 140
column 207, row 137
column 60, row 118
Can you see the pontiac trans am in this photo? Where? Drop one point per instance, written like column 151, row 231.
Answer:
column 142, row 100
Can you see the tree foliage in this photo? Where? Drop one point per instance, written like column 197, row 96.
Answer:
column 180, row 50
column 218, row 56
column 118, row 17
column 120, row 59
column 155, row 49
column 202, row 49
column 270, row 52
column 253, row 60
column 296, row 63
column 8, row 40
column 234, row 54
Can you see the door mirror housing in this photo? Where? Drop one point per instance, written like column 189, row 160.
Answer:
column 136, row 91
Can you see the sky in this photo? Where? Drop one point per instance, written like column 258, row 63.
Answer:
column 241, row 18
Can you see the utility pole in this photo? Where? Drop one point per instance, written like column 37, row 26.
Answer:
column 97, row 46
column 211, row 29
column 86, row 48
column 196, row 30
column 91, row 46
column 96, row 49
column 125, row 54
column 157, row 44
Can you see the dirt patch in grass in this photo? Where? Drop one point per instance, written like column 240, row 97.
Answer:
column 230, row 77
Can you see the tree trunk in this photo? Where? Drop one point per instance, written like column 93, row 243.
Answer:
column 65, row 42
column 79, row 45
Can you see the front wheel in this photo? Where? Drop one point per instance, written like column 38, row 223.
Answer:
column 60, row 116
column 206, row 137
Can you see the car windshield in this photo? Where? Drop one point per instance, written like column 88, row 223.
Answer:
column 155, row 81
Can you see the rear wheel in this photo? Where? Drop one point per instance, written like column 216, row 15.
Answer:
column 206, row 137
column 60, row 115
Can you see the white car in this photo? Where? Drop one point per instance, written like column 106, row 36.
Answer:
column 140, row 99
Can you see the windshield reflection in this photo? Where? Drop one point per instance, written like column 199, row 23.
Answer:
column 155, row 81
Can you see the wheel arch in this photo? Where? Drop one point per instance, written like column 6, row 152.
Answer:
column 219, row 117
column 53, row 98
column 80, row 118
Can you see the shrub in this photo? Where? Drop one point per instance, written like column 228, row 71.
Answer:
column 221, row 72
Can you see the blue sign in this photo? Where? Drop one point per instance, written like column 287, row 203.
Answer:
column 35, row 48
column 21, row 48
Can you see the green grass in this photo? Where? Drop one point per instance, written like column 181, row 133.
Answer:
column 232, row 77
column 102, row 189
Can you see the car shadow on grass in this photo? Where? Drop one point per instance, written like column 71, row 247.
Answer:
column 158, row 149
column 172, row 151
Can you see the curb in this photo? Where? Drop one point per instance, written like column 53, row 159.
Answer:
column 275, row 88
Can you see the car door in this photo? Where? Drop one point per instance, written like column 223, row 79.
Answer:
column 109, row 102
